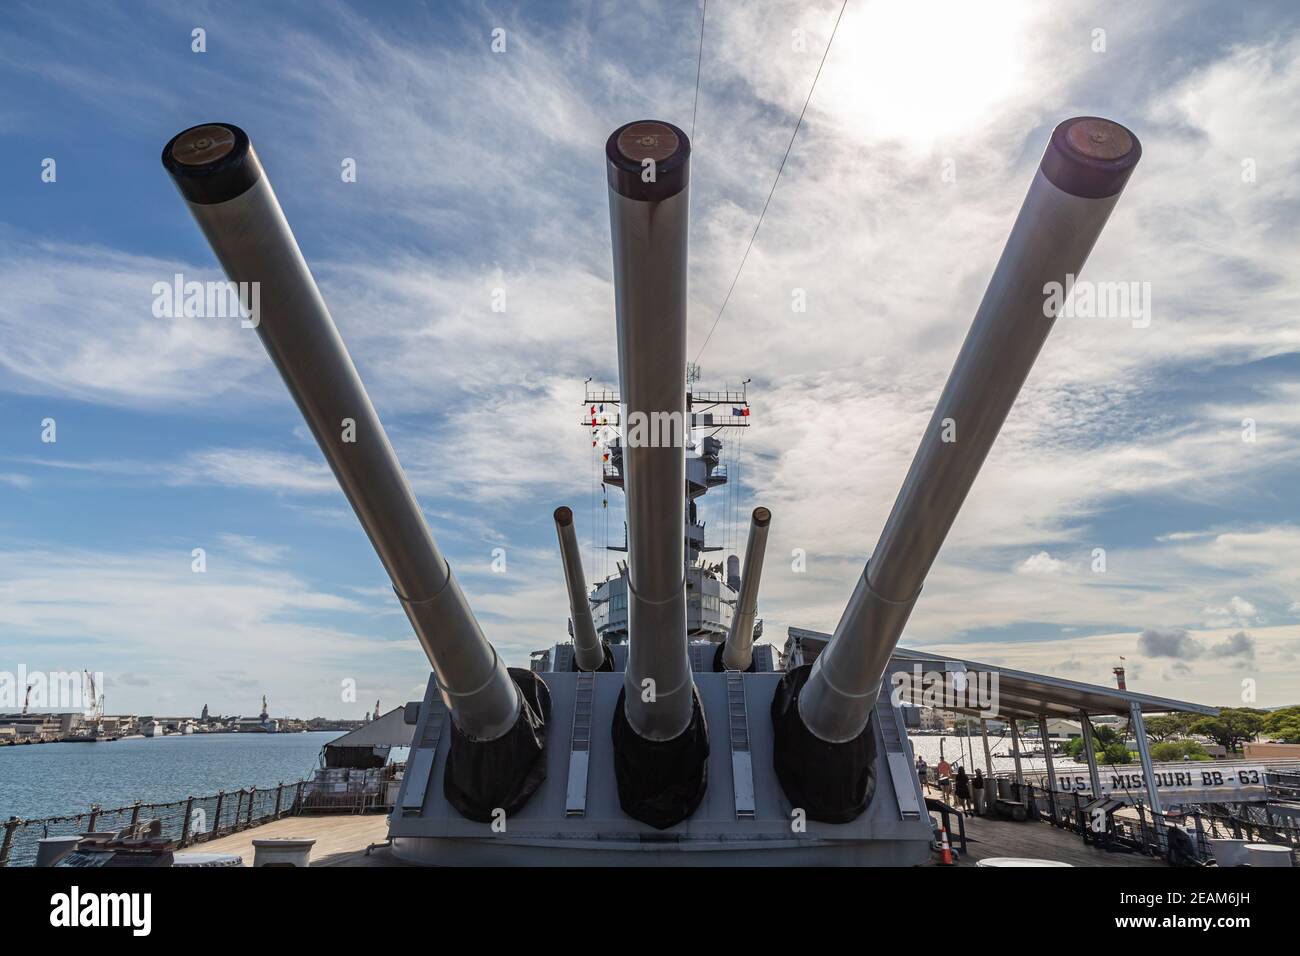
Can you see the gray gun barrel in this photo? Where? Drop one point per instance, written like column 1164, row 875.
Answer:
column 738, row 653
column 648, row 169
column 227, row 191
column 587, row 648
column 1087, row 162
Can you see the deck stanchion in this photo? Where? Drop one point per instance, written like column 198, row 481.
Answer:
column 185, row 823
column 1138, row 726
column 1202, row 848
column 1051, row 768
column 1090, row 753
column 1015, row 743
column 11, row 826
column 991, row 783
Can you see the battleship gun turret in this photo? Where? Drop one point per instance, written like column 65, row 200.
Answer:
column 791, row 778
column 737, row 654
column 498, row 714
column 823, row 746
column 660, row 736
column 590, row 653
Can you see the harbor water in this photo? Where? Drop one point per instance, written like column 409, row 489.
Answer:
column 958, row 750
column 54, row 779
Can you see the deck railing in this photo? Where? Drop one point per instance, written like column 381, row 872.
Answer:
column 188, row 821
column 1139, row 831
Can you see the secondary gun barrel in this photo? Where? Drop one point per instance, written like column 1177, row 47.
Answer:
column 648, row 165
column 1081, row 175
column 588, row 651
column 738, row 653
column 228, row 193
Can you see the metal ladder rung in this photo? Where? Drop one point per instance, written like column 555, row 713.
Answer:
column 742, row 768
column 575, row 798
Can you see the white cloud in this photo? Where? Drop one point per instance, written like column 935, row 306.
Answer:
column 262, row 552
column 98, row 338
column 223, row 637
column 254, row 468
column 1040, row 563
column 1236, row 611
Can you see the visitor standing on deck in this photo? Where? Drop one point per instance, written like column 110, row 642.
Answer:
column 963, row 788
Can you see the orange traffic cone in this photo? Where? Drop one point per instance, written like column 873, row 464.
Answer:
column 945, row 849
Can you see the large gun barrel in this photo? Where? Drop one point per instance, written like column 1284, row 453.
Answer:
column 588, row 650
column 228, row 193
column 648, row 169
column 738, row 653
column 1087, row 162
column 661, row 740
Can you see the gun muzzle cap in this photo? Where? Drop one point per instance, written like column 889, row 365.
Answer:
column 212, row 163
column 648, row 160
column 1090, row 157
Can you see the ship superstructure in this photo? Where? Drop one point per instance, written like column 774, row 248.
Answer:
column 712, row 585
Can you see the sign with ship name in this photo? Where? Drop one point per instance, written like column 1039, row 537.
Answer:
column 1170, row 778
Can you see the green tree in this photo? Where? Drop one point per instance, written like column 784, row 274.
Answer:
column 1115, row 753
column 1175, row 750
column 1283, row 725
column 1104, row 735
column 1112, row 752
column 1166, row 726
column 1233, row 726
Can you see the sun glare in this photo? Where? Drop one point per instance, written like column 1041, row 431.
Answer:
column 920, row 72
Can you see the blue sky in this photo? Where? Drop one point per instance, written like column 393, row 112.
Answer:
column 479, row 170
